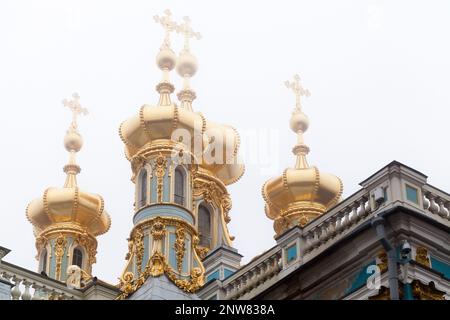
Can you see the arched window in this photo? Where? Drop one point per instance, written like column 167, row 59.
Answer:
column 44, row 260
column 77, row 257
column 179, row 186
column 204, row 226
column 142, row 195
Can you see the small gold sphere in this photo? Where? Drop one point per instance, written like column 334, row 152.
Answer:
column 299, row 122
column 73, row 141
column 187, row 64
column 166, row 59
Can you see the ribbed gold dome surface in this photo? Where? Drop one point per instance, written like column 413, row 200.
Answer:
column 303, row 193
column 162, row 122
column 70, row 206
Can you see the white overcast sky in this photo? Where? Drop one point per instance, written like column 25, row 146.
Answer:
column 378, row 72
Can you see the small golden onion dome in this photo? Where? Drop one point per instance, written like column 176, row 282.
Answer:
column 302, row 193
column 69, row 207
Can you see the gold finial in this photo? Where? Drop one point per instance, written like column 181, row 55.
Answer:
column 168, row 26
column 299, row 122
column 187, row 63
column 186, row 29
column 165, row 59
column 76, row 108
column 298, row 90
column 73, row 140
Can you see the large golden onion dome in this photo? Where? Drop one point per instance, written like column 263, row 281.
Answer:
column 69, row 207
column 214, row 146
column 302, row 193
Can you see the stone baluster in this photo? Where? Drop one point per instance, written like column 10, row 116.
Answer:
column 434, row 208
column 354, row 213
column 362, row 209
column 37, row 292
column 45, row 293
column 447, row 206
column 368, row 208
column 315, row 239
column 442, row 210
column 15, row 291
column 426, row 202
column 322, row 234
column 308, row 243
column 332, row 226
column 345, row 222
column 26, row 295
column 340, row 221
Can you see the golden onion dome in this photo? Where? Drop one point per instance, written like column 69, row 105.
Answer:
column 172, row 122
column 69, row 206
column 214, row 146
column 302, row 193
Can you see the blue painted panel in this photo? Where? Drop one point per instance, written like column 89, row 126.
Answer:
column 441, row 267
column 165, row 210
column 166, row 187
column 185, row 268
column 412, row 194
column 291, row 253
column 172, row 255
column 146, row 250
column 153, row 193
column 227, row 273
column 214, row 275
column 360, row 279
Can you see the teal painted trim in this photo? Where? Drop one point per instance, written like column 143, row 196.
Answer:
column 227, row 273
column 64, row 262
column 441, row 267
column 407, row 292
column 214, row 275
column 186, row 258
column 166, row 187
column 153, row 193
column 360, row 279
column 172, row 256
column 166, row 210
column 52, row 268
column 146, row 251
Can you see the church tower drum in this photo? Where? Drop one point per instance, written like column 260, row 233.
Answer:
column 181, row 165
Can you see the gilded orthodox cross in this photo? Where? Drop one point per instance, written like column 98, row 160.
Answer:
column 168, row 26
column 298, row 90
column 186, row 29
column 76, row 108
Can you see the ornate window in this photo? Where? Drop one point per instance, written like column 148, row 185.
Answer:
column 77, row 257
column 142, row 185
column 179, row 193
column 204, row 226
column 44, row 260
